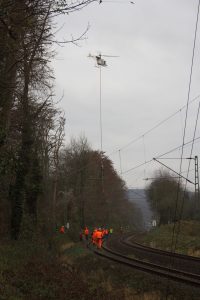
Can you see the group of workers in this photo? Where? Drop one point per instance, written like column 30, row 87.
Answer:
column 98, row 235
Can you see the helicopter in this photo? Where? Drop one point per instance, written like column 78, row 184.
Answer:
column 99, row 60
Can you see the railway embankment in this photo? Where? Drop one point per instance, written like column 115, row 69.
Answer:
column 186, row 235
column 69, row 270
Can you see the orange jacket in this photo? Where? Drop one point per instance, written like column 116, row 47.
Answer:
column 99, row 234
column 94, row 234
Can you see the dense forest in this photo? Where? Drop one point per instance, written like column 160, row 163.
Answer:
column 45, row 183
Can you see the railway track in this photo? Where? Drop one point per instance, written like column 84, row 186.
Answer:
column 171, row 272
column 173, row 260
column 129, row 243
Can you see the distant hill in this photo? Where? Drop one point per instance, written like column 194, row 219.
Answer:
column 139, row 198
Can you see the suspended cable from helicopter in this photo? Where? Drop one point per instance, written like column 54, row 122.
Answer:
column 100, row 62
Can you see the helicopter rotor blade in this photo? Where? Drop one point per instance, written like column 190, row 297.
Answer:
column 91, row 56
column 110, row 55
column 99, row 55
column 117, row 2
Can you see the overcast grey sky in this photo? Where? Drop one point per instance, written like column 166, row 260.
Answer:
column 144, row 85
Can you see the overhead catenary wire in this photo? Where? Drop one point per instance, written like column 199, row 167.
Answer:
column 142, row 164
column 141, row 136
column 176, row 148
column 120, row 162
column 188, row 170
column 154, row 127
column 185, row 123
column 151, row 129
column 159, row 155
column 174, row 239
column 144, row 150
column 175, row 158
column 183, row 172
column 181, row 123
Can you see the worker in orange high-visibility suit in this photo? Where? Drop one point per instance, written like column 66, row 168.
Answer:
column 62, row 229
column 86, row 232
column 94, row 238
column 99, row 237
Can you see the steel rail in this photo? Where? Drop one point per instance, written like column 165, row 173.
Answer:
column 174, row 274
column 148, row 249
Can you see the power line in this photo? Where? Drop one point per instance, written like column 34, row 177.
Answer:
column 185, row 124
column 154, row 127
column 158, row 156
column 188, row 170
column 176, row 158
column 174, row 242
column 173, row 171
column 176, row 148
column 120, row 162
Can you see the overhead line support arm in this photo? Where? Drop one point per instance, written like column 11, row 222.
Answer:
column 174, row 171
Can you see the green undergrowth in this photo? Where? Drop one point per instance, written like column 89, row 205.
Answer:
column 186, row 236
column 33, row 270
